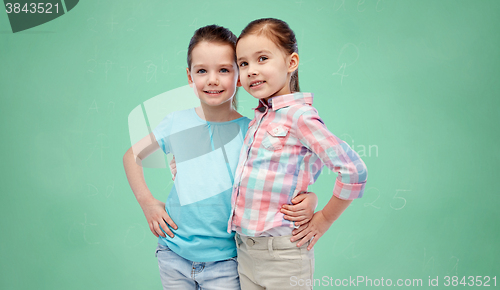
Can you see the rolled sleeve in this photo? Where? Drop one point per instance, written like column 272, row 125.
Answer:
column 334, row 153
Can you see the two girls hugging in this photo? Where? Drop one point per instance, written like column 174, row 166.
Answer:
column 239, row 208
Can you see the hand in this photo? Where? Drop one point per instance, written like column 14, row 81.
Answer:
column 158, row 218
column 313, row 230
column 303, row 209
column 173, row 168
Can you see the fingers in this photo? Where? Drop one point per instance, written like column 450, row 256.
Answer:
column 174, row 173
column 293, row 208
column 157, row 229
column 173, row 168
column 302, row 222
column 313, row 242
column 165, row 219
column 151, row 227
column 296, row 219
column 299, row 229
column 300, row 235
column 305, row 239
column 165, row 229
column 160, row 227
column 170, row 222
column 292, row 213
column 299, row 198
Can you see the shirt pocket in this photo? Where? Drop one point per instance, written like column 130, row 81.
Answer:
column 275, row 137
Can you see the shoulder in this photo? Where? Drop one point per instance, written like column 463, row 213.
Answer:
column 186, row 117
column 300, row 112
column 177, row 120
column 245, row 121
column 306, row 118
column 243, row 124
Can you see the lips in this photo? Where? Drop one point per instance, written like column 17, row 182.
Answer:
column 256, row 83
column 213, row 92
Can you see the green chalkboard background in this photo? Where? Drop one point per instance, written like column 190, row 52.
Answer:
column 412, row 86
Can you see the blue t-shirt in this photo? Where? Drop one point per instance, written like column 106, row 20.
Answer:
column 206, row 156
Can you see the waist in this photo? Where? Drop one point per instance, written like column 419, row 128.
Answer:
column 263, row 243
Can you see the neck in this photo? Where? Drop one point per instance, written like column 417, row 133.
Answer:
column 283, row 91
column 222, row 113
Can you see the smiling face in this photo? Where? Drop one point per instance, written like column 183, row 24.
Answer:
column 264, row 68
column 213, row 73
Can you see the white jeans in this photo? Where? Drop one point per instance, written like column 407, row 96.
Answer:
column 274, row 263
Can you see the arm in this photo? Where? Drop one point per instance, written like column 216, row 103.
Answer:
column 320, row 222
column 153, row 209
column 338, row 157
column 300, row 212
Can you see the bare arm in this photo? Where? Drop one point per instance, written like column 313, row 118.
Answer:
column 153, row 209
column 301, row 212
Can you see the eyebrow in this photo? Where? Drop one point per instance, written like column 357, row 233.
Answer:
column 204, row 65
column 257, row 52
column 263, row 51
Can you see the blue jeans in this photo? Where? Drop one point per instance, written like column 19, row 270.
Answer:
column 178, row 273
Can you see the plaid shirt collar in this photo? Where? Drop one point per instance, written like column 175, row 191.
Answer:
column 278, row 102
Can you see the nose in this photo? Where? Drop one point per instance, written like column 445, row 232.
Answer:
column 213, row 79
column 251, row 71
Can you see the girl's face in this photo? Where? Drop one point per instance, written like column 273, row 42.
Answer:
column 213, row 74
column 264, row 68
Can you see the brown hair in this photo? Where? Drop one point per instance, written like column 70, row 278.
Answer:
column 281, row 34
column 213, row 33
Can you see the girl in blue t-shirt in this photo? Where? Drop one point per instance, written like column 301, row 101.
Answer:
column 194, row 249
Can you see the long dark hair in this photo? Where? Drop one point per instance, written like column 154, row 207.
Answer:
column 281, row 34
column 213, row 33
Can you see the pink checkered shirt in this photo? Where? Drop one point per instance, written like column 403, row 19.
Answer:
column 284, row 151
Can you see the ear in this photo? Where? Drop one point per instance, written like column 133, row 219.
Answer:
column 190, row 79
column 293, row 63
column 238, row 83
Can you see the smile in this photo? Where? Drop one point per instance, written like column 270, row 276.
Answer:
column 213, row 92
column 257, row 83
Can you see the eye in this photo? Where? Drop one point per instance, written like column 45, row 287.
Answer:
column 224, row 70
column 201, row 71
column 243, row 63
column 262, row 58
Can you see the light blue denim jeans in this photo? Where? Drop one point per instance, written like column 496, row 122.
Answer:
column 178, row 273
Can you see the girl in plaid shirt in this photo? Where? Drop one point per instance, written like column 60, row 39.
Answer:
column 284, row 150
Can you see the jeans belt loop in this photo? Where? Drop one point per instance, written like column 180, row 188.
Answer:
column 270, row 247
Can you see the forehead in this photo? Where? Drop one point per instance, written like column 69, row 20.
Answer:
column 212, row 52
column 253, row 43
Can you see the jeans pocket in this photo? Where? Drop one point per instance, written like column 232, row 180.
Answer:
column 288, row 254
column 161, row 247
